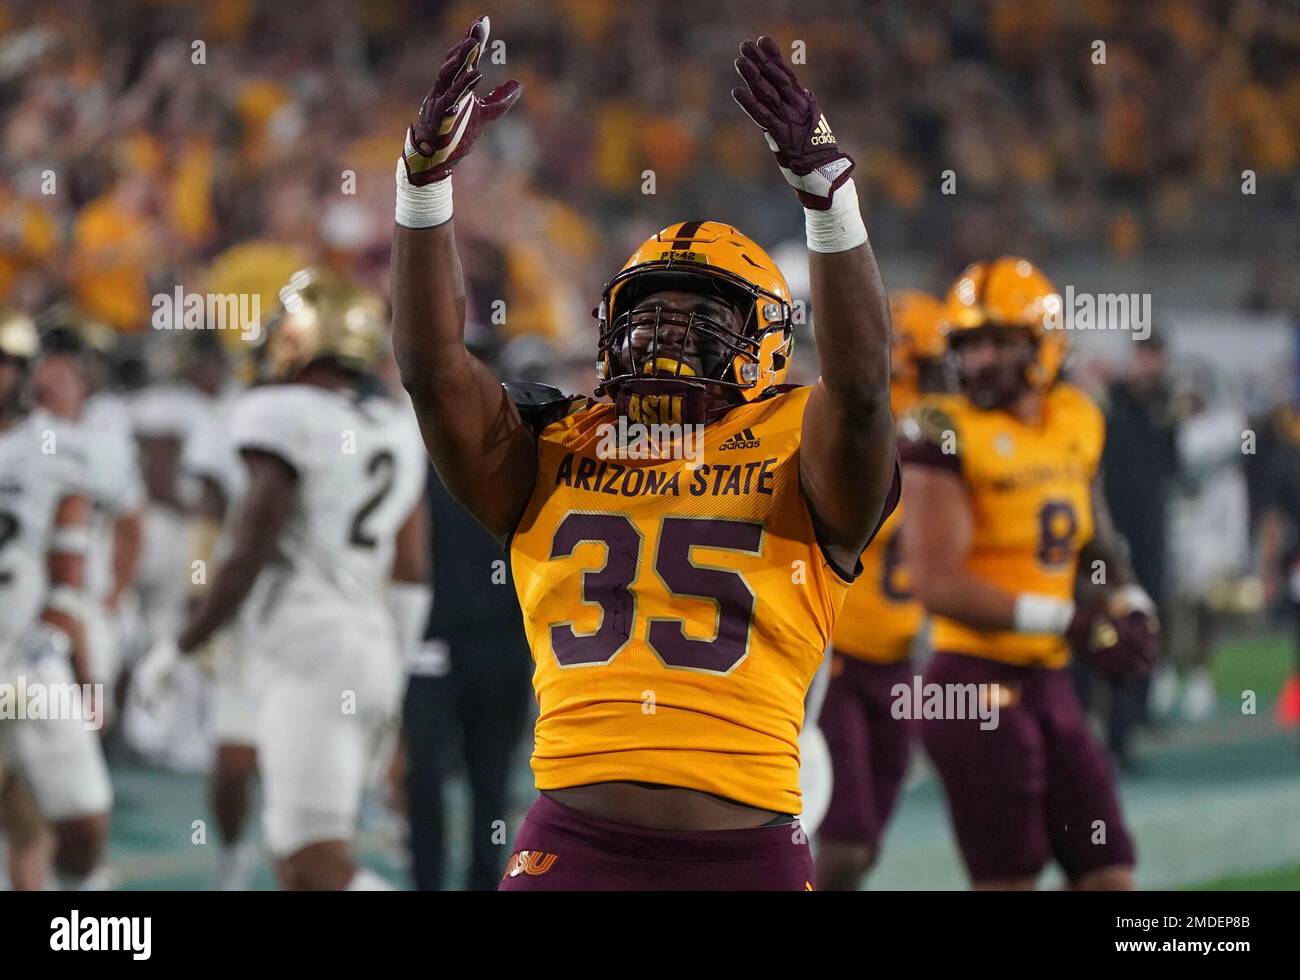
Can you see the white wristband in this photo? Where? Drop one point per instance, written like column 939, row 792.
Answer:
column 1133, row 597
column 66, row 599
column 70, row 539
column 1041, row 614
column 409, row 604
column 838, row 228
column 422, row 207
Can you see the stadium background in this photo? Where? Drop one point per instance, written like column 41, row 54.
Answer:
column 219, row 146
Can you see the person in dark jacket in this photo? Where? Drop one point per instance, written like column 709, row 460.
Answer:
column 467, row 698
column 1139, row 464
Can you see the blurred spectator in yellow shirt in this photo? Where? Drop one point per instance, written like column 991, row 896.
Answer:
column 116, row 240
column 28, row 241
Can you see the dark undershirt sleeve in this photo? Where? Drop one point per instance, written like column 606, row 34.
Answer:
column 922, row 452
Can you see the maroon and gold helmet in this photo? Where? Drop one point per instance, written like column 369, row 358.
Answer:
column 1004, row 300
column 917, row 354
column 1010, row 293
column 713, row 259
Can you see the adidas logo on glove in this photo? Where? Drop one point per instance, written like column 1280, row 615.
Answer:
column 822, row 135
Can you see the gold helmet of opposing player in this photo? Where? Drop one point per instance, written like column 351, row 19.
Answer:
column 711, row 259
column 19, row 344
column 18, row 337
column 919, row 347
column 323, row 316
column 1008, row 295
column 80, row 328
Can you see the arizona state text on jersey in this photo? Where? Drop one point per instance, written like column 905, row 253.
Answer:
column 676, row 615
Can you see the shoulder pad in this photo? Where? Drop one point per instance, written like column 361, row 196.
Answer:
column 927, row 422
column 1075, row 399
column 540, row 404
column 532, row 394
column 781, row 389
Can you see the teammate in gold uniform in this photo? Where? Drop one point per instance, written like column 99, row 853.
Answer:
column 1002, row 500
column 681, row 550
column 872, row 643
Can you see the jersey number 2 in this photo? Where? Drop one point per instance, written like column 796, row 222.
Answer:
column 8, row 531
column 610, row 587
column 382, row 464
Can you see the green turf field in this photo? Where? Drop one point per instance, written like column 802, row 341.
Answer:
column 1214, row 806
column 1280, row 879
column 1253, row 663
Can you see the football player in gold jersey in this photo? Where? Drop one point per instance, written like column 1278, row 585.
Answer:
column 678, row 595
column 1003, row 496
column 872, row 644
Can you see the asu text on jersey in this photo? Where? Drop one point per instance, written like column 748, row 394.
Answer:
column 676, row 615
column 1030, row 490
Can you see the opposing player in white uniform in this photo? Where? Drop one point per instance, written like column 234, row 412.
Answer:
column 331, row 513
column 101, row 424
column 212, row 461
column 49, row 730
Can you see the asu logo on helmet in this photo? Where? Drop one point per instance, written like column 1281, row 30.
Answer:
column 710, row 259
column 1003, row 300
column 323, row 316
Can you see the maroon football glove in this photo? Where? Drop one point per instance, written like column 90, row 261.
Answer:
column 792, row 122
column 452, row 117
column 1135, row 650
column 1118, row 642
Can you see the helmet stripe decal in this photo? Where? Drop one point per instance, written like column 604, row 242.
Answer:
column 984, row 285
column 685, row 234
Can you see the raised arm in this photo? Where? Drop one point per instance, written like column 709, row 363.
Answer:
column 480, row 446
column 847, row 457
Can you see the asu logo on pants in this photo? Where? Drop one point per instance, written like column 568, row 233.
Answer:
column 535, row 863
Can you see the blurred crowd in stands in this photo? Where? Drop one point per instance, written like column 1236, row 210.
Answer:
column 220, row 145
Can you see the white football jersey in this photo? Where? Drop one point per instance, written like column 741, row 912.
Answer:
column 105, row 428
column 41, row 463
column 116, row 484
column 169, row 409
column 361, row 470
column 210, row 453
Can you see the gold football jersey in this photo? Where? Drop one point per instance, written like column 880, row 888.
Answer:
column 880, row 616
column 1030, row 490
column 676, row 613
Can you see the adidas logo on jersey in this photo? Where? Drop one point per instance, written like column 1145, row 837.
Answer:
column 822, row 135
column 744, row 439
